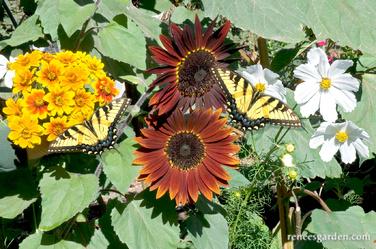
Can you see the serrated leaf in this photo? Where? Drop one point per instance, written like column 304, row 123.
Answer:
column 17, row 192
column 123, row 44
column 46, row 241
column 308, row 160
column 352, row 222
column 110, row 9
column 134, row 220
column 98, row 240
column 65, row 194
column 209, row 231
column 29, row 30
column 52, row 13
column 7, row 153
column 117, row 165
column 347, row 22
column 237, row 178
column 365, row 112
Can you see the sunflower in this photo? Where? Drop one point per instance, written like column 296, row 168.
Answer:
column 50, row 73
column 105, row 90
column 60, row 101
column 186, row 62
column 55, row 127
column 35, row 104
column 25, row 131
column 184, row 157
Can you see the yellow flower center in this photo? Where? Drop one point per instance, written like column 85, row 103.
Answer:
column 342, row 136
column 59, row 101
column 58, row 129
column 24, row 60
column 107, row 89
column 39, row 102
column 51, row 76
column 26, row 133
column 80, row 101
column 72, row 77
column 260, row 87
column 325, row 83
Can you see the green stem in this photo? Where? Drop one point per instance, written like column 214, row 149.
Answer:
column 263, row 52
column 34, row 217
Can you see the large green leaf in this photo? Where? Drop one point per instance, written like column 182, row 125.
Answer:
column 208, row 228
column 45, row 241
column 7, row 153
column 140, row 226
column 237, row 178
column 354, row 223
column 308, row 160
column 364, row 115
column 98, row 240
column 29, row 30
column 64, row 195
column 110, row 9
column 68, row 13
column 347, row 22
column 117, row 165
column 123, row 44
column 17, row 192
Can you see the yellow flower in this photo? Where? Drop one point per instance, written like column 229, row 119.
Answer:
column 290, row 148
column 105, row 90
column 95, row 66
column 83, row 100
column 35, row 104
column 74, row 77
column 25, row 131
column 66, row 57
column 293, row 174
column 60, row 101
column 79, row 117
column 48, row 57
column 55, row 127
column 13, row 108
column 25, row 61
column 22, row 81
column 50, row 73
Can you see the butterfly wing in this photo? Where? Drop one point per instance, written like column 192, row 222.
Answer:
column 251, row 109
column 94, row 135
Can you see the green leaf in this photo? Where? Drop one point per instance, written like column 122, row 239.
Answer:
column 117, row 165
column 237, row 178
column 17, row 192
column 135, row 220
column 181, row 14
column 282, row 58
column 123, row 44
column 52, row 13
column 29, row 30
column 365, row 112
column 347, row 22
column 208, row 228
column 45, row 241
column 7, row 153
column 64, row 195
column 308, row 160
column 98, row 240
column 352, row 222
column 110, row 9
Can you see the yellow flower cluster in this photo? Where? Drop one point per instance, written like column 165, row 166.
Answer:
column 52, row 92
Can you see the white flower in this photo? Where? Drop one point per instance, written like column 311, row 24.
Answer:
column 287, row 160
column 265, row 81
column 121, row 87
column 5, row 72
column 345, row 137
column 324, row 86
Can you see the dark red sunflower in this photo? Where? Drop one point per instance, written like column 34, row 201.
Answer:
column 186, row 62
column 185, row 157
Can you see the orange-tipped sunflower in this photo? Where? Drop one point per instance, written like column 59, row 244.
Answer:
column 185, row 157
column 186, row 62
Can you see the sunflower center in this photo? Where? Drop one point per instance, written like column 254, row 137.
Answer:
column 194, row 75
column 342, row 136
column 325, row 83
column 260, row 87
column 185, row 150
column 26, row 133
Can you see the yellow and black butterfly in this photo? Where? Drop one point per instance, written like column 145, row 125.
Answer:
column 94, row 135
column 250, row 108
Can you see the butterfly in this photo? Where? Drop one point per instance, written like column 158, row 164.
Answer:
column 249, row 108
column 94, row 135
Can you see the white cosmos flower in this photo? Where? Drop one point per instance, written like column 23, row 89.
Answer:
column 345, row 137
column 5, row 72
column 265, row 81
column 324, row 86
